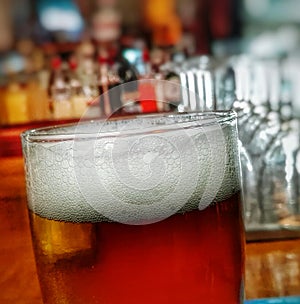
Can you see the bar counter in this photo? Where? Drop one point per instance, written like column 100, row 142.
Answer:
column 272, row 268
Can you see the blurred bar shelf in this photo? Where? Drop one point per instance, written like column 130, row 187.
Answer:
column 270, row 232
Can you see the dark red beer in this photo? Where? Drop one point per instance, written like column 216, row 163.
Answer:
column 189, row 258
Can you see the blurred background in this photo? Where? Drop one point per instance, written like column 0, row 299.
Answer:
column 167, row 22
column 58, row 56
column 31, row 31
column 193, row 25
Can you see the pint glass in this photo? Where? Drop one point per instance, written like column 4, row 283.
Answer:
column 137, row 211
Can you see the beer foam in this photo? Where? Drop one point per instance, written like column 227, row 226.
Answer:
column 127, row 171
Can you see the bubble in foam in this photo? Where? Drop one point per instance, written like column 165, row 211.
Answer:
column 131, row 178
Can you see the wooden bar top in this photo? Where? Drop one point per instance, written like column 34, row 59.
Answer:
column 272, row 268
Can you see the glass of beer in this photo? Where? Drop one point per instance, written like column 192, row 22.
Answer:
column 141, row 210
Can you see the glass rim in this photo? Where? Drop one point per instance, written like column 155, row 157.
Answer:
column 58, row 133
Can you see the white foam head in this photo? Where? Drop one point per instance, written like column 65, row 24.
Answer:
column 135, row 171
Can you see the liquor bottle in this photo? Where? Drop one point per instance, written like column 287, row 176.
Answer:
column 117, row 84
column 38, row 101
column 59, row 91
column 87, row 73
column 122, row 78
column 148, row 86
column 243, row 105
column 15, row 102
column 225, row 86
column 103, row 83
column 170, row 73
column 78, row 99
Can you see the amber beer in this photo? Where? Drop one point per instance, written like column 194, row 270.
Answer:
column 193, row 256
column 196, row 257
